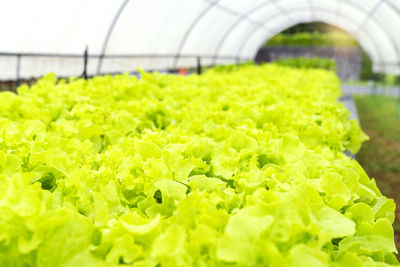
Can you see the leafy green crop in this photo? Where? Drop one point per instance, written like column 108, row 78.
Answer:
column 313, row 39
column 304, row 62
column 239, row 168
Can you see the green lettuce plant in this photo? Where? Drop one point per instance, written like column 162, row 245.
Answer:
column 237, row 168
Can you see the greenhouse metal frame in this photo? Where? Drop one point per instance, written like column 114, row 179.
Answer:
column 161, row 35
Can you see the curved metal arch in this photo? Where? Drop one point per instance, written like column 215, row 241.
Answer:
column 379, row 24
column 397, row 10
column 281, row 9
column 249, row 36
column 393, row 6
column 226, row 9
column 266, row 4
column 230, row 11
column 190, row 29
column 241, row 19
column 109, row 33
column 211, row 4
column 310, row 5
column 339, row 2
column 337, row 8
column 351, row 3
column 370, row 14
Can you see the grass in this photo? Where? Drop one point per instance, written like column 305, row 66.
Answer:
column 380, row 156
column 367, row 83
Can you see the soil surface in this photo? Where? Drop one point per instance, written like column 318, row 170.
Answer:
column 380, row 156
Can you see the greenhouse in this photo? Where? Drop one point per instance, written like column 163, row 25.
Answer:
column 124, row 35
column 199, row 133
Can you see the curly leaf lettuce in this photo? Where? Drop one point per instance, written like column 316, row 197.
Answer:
column 237, row 168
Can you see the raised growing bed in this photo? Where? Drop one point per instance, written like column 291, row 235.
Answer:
column 242, row 167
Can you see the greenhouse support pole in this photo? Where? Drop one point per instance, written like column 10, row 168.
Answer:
column 199, row 65
column 18, row 70
column 374, row 88
column 375, row 80
column 85, row 61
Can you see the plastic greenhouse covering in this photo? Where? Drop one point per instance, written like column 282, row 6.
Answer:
column 50, row 35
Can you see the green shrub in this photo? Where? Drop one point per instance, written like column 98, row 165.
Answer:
column 366, row 72
column 304, row 63
column 230, row 67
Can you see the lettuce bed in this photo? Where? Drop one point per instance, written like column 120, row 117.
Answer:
column 238, row 168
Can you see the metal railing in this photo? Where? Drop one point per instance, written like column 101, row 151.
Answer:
column 86, row 56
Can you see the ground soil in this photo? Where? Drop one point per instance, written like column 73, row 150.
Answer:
column 380, row 157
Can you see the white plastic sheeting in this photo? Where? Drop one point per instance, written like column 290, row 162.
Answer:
column 50, row 35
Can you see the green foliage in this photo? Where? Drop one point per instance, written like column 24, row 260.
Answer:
column 366, row 72
column 239, row 168
column 313, row 39
column 391, row 80
column 380, row 116
column 304, row 63
column 381, row 79
column 230, row 67
column 385, row 117
column 313, row 27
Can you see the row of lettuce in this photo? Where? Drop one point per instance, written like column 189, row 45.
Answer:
column 294, row 62
column 335, row 38
column 231, row 168
column 330, row 39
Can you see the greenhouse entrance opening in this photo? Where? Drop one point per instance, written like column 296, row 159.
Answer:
column 318, row 45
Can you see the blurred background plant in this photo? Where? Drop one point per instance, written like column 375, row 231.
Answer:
column 335, row 38
column 324, row 35
column 304, row 63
